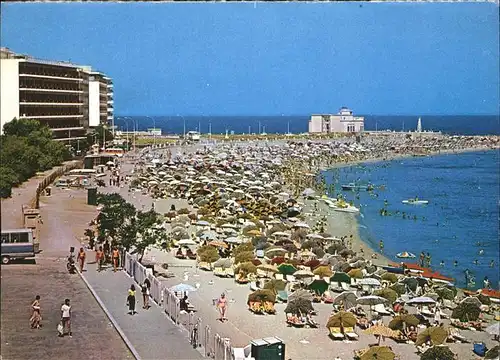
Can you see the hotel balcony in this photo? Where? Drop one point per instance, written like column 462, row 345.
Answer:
column 68, row 128
column 51, row 90
column 36, row 117
column 24, row 103
column 110, row 101
column 51, row 77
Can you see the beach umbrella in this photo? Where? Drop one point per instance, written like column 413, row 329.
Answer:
column 440, row 352
column 358, row 264
column 246, row 267
column 339, row 277
column 346, row 298
column 342, row 319
column 387, row 293
column 493, row 329
column 398, row 322
column 368, row 282
column 275, row 251
column 300, row 294
column 217, row 243
column 378, row 353
column 371, row 300
column 301, row 274
column 392, row 278
column 186, row 242
column 411, row 282
column 267, row 268
column 435, row 334
column 291, row 248
column 301, row 225
column 471, row 300
column 292, row 212
column 202, row 223
column 323, row 271
column 314, row 236
column 355, row 273
column 262, row 296
column 181, row 288
column 223, row 263
column 275, row 285
column 318, row 286
column 381, row 330
column 312, row 264
column 406, row 255
column 421, row 300
column 466, row 312
column 445, row 293
column 399, row 288
column 287, row 269
column 299, row 306
column 234, row 240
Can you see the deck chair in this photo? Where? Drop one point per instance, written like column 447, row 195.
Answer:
column 253, row 286
column 290, row 278
column 205, row 266
column 381, row 310
column 261, row 273
column 278, row 276
column 344, row 286
column 336, row 333
column 350, row 333
column 426, row 312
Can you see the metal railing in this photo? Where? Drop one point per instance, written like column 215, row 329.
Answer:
column 213, row 345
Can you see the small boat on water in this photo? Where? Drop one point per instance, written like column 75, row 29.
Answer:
column 357, row 187
column 415, row 201
column 342, row 206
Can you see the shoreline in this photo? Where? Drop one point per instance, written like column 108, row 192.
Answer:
column 364, row 243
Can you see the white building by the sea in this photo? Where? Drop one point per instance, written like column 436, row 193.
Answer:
column 344, row 122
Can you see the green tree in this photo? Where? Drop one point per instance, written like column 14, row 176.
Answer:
column 99, row 133
column 116, row 212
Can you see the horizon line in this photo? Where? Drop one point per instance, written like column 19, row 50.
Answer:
column 306, row 115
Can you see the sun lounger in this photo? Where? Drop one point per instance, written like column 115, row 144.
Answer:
column 312, row 324
column 205, row 266
column 382, row 310
column 336, row 333
column 349, row 332
column 335, row 286
column 256, row 307
column 344, row 286
column 282, row 296
column 278, row 276
column 218, row 271
column 293, row 320
column 230, row 272
column 269, row 308
column 253, row 286
column 290, row 278
column 261, row 273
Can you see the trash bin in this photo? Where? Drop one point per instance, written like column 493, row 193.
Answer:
column 480, row 348
column 92, row 196
column 271, row 348
column 48, row 191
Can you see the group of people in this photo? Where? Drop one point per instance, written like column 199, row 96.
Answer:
column 101, row 255
column 145, row 291
column 64, row 327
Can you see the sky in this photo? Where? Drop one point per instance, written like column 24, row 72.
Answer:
column 274, row 58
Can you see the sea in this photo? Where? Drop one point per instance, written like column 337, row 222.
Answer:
column 464, row 124
column 460, row 223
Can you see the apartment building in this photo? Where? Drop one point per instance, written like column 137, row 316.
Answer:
column 344, row 121
column 55, row 93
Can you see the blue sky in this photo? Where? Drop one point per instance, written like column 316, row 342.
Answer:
column 274, row 58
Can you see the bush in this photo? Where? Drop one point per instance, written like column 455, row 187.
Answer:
column 438, row 352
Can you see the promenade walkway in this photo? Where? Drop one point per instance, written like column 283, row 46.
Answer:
column 151, row 332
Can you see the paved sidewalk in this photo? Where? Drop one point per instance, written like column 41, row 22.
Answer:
column 151, row 332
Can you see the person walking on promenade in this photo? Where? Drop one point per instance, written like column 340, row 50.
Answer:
column 145, row 294
column 106, row 250
column 116, row 258
column 99, row 258
column 36, row 316
column 81, row 258
column 131, row 300
column 66, row 319
column 222, row 305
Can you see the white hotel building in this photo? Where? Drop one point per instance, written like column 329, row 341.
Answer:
column 343, row 122
column 64, row 96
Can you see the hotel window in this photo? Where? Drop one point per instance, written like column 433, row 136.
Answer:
column 351, row 128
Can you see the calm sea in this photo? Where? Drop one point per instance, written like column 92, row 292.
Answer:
column 461, row 219
column 466, row 125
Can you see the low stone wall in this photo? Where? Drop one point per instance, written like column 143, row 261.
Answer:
column 49, row 179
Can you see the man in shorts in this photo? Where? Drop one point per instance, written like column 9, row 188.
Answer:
column 66, row 319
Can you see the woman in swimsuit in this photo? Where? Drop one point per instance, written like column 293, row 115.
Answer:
column 222, row 305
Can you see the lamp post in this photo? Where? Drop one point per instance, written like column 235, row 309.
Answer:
column 126, row 123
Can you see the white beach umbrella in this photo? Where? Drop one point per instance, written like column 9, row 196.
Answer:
column 301, row 225
column 186, row 242
column 371, row 300
column 301, row 274
column 234, row 240
column 202, row 223
column 314, row 236
column 368, row 282
column 421, row 300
